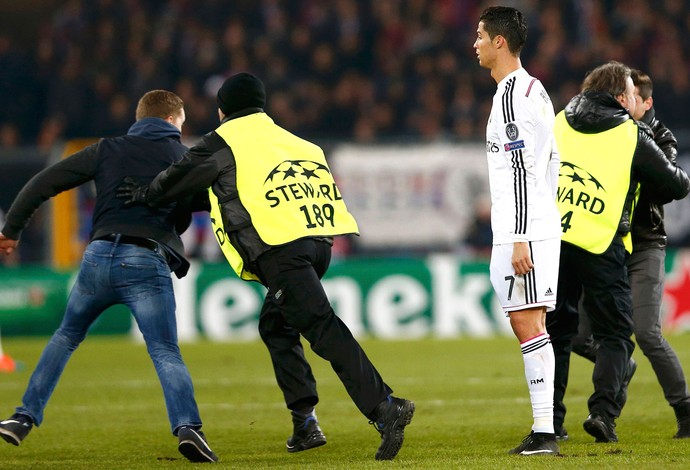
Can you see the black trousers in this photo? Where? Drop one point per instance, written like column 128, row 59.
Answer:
column 646, row 274
column 602, row 280
column 296, row 304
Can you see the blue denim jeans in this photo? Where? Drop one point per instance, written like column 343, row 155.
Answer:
column 113, row 273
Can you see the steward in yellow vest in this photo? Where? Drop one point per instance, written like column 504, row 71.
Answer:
column 605, row 156
column 289, row 192
column 274, row 208
column 593, row 188
column 602, row 165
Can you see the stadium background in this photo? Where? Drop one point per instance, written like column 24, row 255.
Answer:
column 391, row 89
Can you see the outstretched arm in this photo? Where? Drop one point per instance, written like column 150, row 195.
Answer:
column 66, row 174
column 197, row 170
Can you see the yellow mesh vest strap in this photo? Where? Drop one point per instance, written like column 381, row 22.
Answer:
column 284, row 182
column 593, row 183
column 226, row 247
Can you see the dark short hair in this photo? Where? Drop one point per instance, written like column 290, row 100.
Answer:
column 507, row 22
column 643, row 83
column 610, row 77
column 159, row 103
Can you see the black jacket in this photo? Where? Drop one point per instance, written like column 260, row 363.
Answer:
column 594, row 112
column 648, row 221
column 150, row 146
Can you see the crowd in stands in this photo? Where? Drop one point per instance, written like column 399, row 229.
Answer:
column 362, row 70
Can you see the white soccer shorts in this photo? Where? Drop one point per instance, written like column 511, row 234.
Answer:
column 538, row 288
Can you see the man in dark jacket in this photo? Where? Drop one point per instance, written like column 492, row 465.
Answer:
column 275, row 208
column 128, row 261
column 646, row 273
column 605, row 156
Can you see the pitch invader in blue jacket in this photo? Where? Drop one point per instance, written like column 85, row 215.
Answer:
column 129, row 258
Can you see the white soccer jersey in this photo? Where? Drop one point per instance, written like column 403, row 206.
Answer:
column 523, row 161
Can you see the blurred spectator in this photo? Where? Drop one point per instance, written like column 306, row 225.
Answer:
column 479, row 237
column 9, row 135
column 116, row 118
column 16, row 100
column 52, row 131
column 361, row 70
column 200, row 241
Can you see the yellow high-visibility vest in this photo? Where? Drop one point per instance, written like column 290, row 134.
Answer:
column 229, row 251
column 593, row 183
column 285, row 185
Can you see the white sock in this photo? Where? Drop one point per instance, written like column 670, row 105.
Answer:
column 537, row 353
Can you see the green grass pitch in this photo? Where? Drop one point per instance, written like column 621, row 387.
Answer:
column 472, row 406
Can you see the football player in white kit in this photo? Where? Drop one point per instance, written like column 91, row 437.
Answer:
column 523, row 179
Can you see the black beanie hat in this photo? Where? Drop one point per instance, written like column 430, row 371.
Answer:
column 240, row 91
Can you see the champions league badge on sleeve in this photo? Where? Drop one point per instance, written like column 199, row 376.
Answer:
column 512, row 131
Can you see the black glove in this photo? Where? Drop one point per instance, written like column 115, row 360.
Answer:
column 132, row 192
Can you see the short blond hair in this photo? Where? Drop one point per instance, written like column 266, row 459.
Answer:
column 160, row 104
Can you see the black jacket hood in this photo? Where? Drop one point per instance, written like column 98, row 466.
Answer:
column 592, row 112
column 153, row 128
